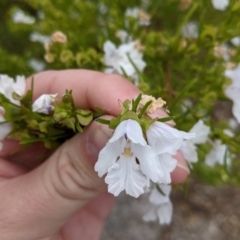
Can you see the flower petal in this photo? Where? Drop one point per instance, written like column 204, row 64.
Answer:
column 202, row 131
column 126, row 174
column 164, row 213
column 108, row 156
column 132, row 130
column 189, row 152
column 158, row 198
column 217, row 154
column 165, row 139
column 149, row 162
column 168, row 164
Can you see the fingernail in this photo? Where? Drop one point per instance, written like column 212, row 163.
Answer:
column 183, row 166
column 97, row 140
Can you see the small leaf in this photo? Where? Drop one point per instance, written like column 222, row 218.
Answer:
column 103, row 121
column 85, row 120
column 136, row 102
column 166, row 119
column 144, row 109
column 160, row 190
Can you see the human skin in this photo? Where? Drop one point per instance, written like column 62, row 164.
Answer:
column 61, row 197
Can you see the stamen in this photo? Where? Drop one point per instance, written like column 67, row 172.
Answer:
column 127, row 152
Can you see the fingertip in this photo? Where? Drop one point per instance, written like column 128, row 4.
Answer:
column 181, row 171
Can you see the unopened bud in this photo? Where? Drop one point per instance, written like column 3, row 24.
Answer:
column 59, row 37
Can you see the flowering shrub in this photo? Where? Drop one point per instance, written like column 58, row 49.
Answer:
column 174, row 49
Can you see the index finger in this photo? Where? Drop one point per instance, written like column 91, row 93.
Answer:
column 90, row 89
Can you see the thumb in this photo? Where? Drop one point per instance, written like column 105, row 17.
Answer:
column 38, row 203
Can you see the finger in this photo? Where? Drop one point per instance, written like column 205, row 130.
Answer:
column 181, row 172
column 50, row 195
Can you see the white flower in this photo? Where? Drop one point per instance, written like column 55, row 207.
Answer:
column 160, row 206
column 36, row 65
column 165, row 139
column 188, row 147
column 44, row 103
column 117, row 59
column 20, row 17
column 143, row 17
column 130, row 162
column 233, row 90
column 236, row 41
column 37, row 37
column 220, row 4
column 8, row 86
column 218, row 154
column 190, row 30
column 5, row 129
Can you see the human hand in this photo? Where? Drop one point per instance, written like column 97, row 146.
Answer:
column 61, row 197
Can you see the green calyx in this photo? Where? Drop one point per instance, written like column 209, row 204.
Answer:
column 130, row 110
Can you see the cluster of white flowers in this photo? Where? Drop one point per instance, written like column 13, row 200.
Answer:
column 127, row 59
column 218, row 153
column 130, row 161
column 121, row 60
column 160, row 206
column 233, row 90
column 8, row 87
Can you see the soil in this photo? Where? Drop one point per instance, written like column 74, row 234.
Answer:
column 206, row 213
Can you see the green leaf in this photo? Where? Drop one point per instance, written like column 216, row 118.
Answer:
column 103, row 121
column 85, row 120
column 136, row 102
column 166, row 119
column 144, row 109
column 160, row 190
